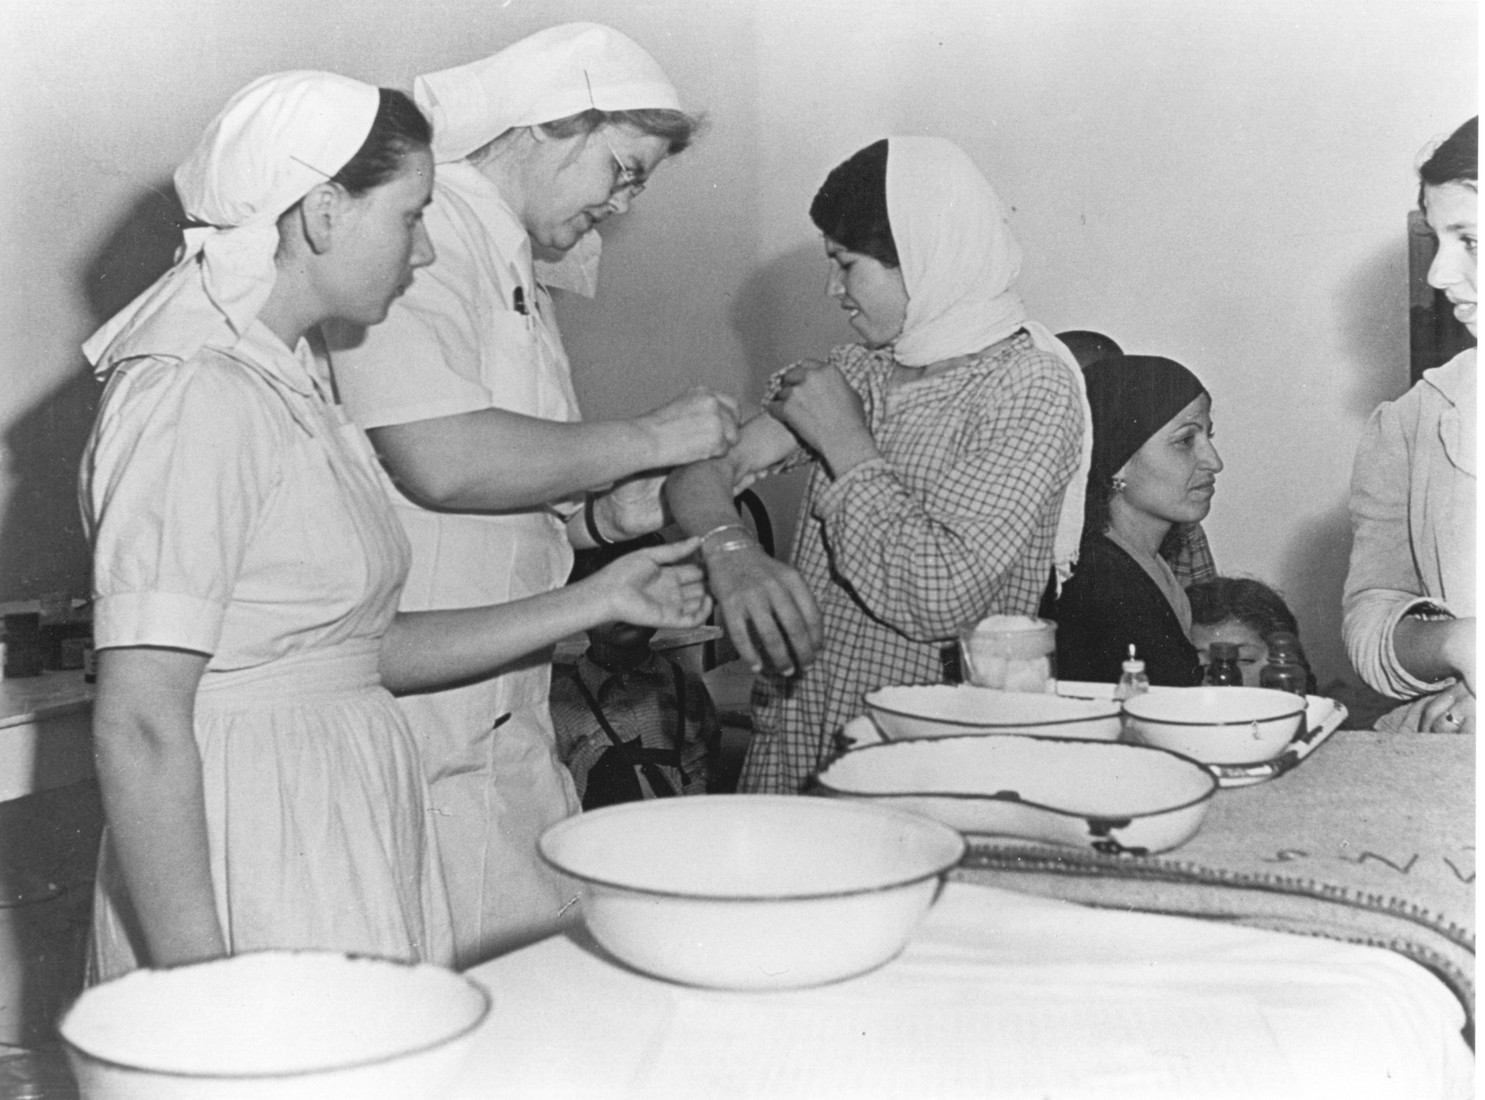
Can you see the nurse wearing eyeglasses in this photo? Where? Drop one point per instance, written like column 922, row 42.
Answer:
column 466, row 393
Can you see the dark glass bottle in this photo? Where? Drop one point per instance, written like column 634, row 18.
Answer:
column 1283, row 672
column 1223, row 669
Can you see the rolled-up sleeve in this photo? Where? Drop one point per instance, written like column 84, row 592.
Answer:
column 929, row 558
column 1383, row 583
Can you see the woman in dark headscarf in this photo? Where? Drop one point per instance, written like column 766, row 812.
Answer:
column 1154, row 466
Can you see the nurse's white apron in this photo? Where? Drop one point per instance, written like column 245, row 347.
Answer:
column 488, row 747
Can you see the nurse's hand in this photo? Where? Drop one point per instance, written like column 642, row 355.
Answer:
column 820, row 407
column 699, row 424
column 1450, row 711
column 768, row 611
column 631, row 508
column 652, row 587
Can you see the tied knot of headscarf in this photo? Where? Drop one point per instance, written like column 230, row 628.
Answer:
column 273, row 141
column 550, row 75
column 1132, row 397
column 959, row 262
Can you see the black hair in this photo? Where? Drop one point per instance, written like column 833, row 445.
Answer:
column 1456, row 160
column 1088, row 347
column 851, row 206
column 1248, row 601
column 677, row 128
column 398, row 129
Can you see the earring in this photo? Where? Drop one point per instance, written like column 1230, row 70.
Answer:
column 1118, row 483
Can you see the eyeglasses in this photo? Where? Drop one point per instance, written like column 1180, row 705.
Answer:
column 626, row 178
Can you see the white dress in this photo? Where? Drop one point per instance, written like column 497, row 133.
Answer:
column 235, row 512
column 456, row 343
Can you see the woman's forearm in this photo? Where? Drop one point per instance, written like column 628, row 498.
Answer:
column 1434, row 650
column 149, row 772
column 425, row 649
column 495, row 460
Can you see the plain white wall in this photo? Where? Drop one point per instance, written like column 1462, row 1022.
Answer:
column 1226, row 183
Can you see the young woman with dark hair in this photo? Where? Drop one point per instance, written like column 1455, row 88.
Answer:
column 1409, row 601
column 942, row 446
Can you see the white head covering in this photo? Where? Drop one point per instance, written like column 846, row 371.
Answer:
column 270, row 145
column 959, row 262
column 552, row 74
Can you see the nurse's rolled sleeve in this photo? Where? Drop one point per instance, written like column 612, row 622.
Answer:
column 172, row 491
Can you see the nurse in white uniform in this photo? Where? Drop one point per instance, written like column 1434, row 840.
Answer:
column 467, row 396
column 261, row 786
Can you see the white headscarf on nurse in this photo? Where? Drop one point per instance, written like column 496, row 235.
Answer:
column 1409, row 600
column 247, row 564
column 467, row 394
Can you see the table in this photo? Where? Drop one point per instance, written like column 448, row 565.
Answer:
column 998, row 993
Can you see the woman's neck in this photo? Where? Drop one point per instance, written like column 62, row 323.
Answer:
column 1136, row 529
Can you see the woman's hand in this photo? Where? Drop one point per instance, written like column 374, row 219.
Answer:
column 1450, row 711
column 766, row 605
column 631, row 508
column 652, row 587
column 821, row 408
column 699, row 424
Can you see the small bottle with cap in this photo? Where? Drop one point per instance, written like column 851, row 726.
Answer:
column 1133, row 680
column 1283, row 672
column 1224, row 670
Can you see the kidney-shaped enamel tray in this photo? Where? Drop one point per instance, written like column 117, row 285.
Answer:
column 1109, row 797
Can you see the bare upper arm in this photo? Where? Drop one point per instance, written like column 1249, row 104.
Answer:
column 150, row 683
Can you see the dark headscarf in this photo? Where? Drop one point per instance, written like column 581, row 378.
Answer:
column 1132, row 398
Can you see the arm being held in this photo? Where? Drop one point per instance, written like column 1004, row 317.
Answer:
column 764, row 603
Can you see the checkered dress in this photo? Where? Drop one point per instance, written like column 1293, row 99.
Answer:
column 954, row 523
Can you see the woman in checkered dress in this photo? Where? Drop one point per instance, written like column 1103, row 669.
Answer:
column 942, row 446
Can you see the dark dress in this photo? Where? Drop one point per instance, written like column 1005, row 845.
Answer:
column 1110, row 602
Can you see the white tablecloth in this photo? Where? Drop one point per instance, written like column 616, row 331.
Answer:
column 998, row 994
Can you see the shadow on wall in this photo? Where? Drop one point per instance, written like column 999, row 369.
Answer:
column 42, row 547
column 1371, row 308
column 1315, row 560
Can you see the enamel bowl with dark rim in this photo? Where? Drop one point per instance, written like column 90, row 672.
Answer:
column 746, row 891
column 1218, row 725
column 275, row 1025
column 1109, row 797
column 909, row 712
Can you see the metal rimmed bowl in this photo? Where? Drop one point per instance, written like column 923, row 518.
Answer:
column 1089, row 794
column 753, row 891
column 1218, row 725
column 915, row 711
column 275, row 1025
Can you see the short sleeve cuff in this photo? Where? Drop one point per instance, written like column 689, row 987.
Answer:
column 157, row 619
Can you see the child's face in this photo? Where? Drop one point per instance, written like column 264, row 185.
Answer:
column 1252, row 652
